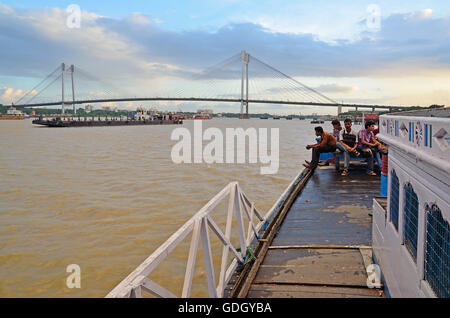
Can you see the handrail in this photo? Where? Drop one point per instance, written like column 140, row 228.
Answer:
column 238, row 205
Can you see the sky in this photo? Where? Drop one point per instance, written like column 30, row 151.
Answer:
column 370, row 52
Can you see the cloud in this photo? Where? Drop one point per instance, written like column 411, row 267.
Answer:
column 336, row 88
column 422, row 14
column 9, row 94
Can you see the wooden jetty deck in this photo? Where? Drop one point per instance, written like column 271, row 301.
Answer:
column 323, row 246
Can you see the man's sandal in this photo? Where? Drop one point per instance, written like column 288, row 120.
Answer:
column 344, row 173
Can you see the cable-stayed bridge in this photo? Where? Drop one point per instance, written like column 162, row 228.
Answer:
column 242, row 79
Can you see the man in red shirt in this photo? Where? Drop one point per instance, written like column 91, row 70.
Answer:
column 326, row 144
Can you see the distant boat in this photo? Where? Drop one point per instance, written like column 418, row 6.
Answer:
column 13, row 114
column 276, row 117
column 202, row 116
column 317, row 121
column 264, row 117
column 289, row 118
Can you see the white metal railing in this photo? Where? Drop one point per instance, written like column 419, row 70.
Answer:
column 239, row 206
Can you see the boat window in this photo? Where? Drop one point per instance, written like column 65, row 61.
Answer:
column 394, row 199
column 411, row 211
column 437, row 251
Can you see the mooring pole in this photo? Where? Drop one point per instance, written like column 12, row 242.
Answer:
column 72, row 69
column 63, row 69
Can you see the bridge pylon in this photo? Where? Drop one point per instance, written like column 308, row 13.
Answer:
column 245, row 58
column 64, row 70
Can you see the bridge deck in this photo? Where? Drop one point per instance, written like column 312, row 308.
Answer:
column 322, row 248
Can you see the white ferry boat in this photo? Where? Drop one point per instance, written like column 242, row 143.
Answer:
column 13, row 114
column 411, row 232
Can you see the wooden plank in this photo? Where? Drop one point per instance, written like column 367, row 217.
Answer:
column 299, row 291
column 343, row 267
column 318, row 246
column 343, row 219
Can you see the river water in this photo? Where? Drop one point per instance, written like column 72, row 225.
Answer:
column 105, row 198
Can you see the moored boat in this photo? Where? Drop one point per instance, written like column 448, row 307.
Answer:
column 411, row 231
column 13, row 114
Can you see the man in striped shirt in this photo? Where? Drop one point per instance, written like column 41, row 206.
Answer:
column 369, row 146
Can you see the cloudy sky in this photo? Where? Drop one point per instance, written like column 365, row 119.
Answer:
column 374, row 52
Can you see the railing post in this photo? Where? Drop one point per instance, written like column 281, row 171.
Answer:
column 207, row 255
column 190, row 267
column 226, row 250
column 250, row 224
column 240, row 221
column 136, row 292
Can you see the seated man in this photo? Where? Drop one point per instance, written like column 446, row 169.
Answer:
column 327, row 144
column 347, row 145
column 369, row 146
column 336, row 129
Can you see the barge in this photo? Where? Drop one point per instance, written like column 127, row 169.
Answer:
column 58, row 122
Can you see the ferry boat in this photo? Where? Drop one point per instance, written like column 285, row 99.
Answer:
column 276, row 117
column 264, row 117
column 411, row 231
column 317, row 121
column 202, row 116
column 13, row 114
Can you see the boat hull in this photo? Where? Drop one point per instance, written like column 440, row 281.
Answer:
column 9, row 117
column 91, row 123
